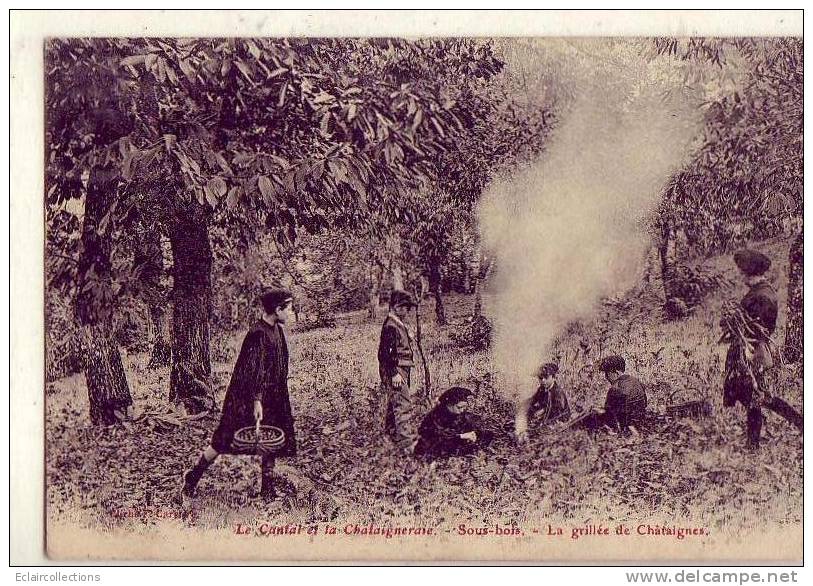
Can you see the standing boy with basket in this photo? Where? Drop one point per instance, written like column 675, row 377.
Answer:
column 395, row 362
column 258, row 392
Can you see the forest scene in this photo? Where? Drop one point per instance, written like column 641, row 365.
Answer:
column 541, row 200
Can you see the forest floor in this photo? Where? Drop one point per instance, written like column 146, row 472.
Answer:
column 691, row 470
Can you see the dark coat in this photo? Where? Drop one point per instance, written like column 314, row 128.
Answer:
column 626, row 402
column 440, row 430
column 551, row 404
column 394, row 349
column 261, row 373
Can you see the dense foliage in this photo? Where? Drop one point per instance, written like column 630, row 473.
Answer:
column 187, row 173
column 745, row 181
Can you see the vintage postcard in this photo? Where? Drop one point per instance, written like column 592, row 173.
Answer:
column 320, row 291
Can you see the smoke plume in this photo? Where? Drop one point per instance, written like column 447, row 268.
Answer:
column 570, row 229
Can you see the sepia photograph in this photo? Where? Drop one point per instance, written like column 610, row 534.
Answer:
column 361, row 298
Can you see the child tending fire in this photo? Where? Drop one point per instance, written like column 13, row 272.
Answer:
column 449, row 429
column 547, row 405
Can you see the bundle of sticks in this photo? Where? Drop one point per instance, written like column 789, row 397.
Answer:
column 740, row 328
column 742, row 332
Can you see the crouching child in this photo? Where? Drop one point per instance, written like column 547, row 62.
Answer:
column 625, row 405
column 449, row 429
column 547, row 405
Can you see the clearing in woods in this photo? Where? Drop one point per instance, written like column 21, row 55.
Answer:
column 693, row 469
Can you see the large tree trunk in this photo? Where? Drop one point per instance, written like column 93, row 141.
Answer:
column 161, row 351
column 108, row 391
column 666, row 252
column 468, row 280
column 397, row 276
column 149, row 260
column 794, row 332
column 393, row 248
column 376, row 276
column 190, row 377
column 484, row 266
column 436, row 287
column 478, row 295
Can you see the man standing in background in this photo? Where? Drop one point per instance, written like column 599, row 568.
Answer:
column 395, row 363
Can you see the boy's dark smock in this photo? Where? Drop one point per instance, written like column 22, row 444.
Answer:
column 395, row 357
column 551, row 404
column 440, row 430
column 394, row 350
column 626, row 402
column 261, row 373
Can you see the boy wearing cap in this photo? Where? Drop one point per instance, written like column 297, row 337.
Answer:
column 449, row 429
column 747, row 368
column 549, row 403
column 395, row 363
column 258, row 392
